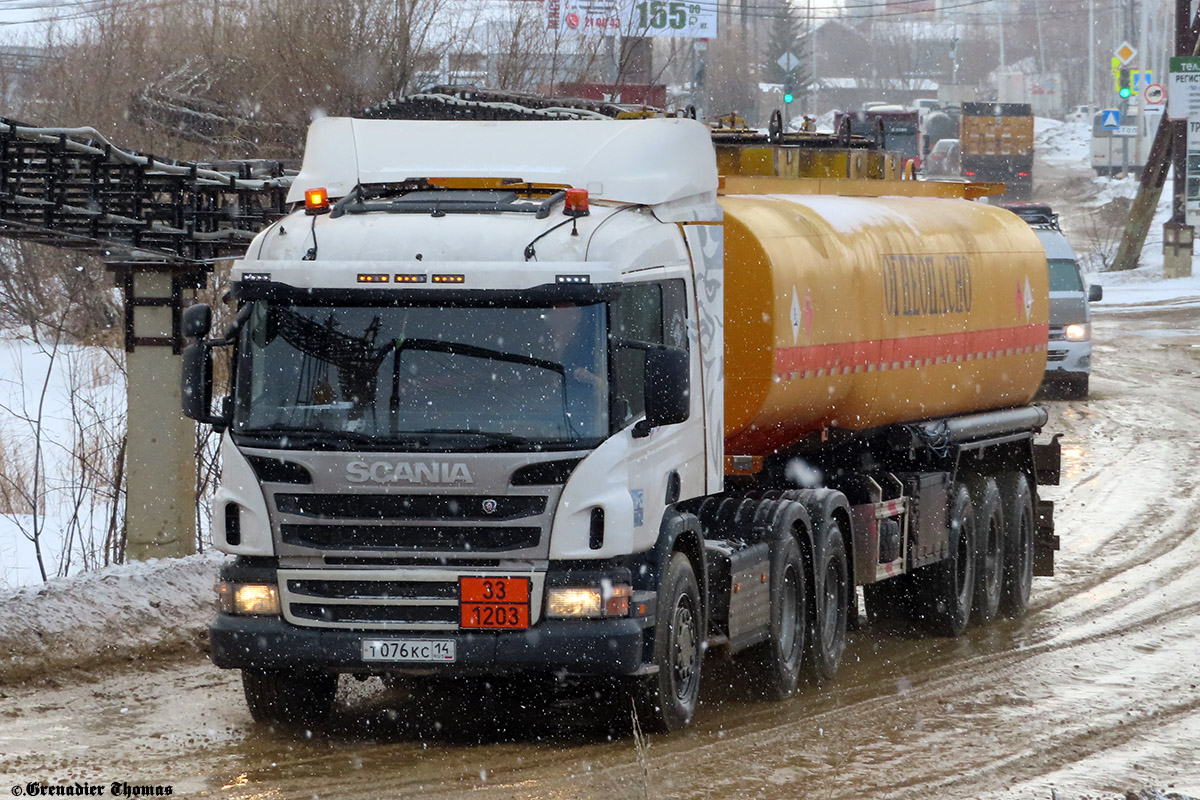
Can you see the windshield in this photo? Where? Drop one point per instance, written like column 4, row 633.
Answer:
column 458, row 378
column 1064, row 275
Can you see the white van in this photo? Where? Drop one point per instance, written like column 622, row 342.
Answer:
column 1069, row 357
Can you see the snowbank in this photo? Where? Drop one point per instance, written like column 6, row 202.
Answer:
column 1066, row 143
column 118, row 613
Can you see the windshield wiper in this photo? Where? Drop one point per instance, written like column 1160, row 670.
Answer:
column 495, row 438
column 492, row 436
column 312, row 437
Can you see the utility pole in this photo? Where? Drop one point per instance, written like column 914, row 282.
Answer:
column 1177, row 234
column 1002, row 60
column 1091, row 59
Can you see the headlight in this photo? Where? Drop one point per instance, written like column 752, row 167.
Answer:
column 1077, row 332
column 249, row 599
column 610, row 600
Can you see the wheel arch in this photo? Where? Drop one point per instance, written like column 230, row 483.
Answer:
column 680, row 532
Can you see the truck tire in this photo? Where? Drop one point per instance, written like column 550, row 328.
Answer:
column 949, row 586
column 1017, row 500
column 831, row 572
column 773, row 667
column 667, row 700
column 989, row 542
column 289, row 696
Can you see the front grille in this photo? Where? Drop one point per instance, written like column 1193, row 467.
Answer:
column 421, row 506
column 415, row 599
column 1056, row 333
column 422, row 537
column 359, row 599
column 1056, row 355
column 409, row 561
column 377, row 614
column 373, row 590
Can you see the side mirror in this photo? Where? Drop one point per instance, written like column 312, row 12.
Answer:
column 196, row 384
column 1095, row 293
column 667, row 389
column 197, row 321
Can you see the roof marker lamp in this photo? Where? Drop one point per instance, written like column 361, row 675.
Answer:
column 316, row 201
column 575, row 205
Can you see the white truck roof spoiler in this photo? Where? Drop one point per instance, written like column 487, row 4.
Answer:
column 646, row 161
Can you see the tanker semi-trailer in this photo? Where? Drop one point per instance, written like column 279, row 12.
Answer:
column 541, row 397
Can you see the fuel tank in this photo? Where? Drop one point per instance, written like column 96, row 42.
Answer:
column 857, row 312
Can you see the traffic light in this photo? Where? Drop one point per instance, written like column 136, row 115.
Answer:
column 1124, row 86
column 789, row 87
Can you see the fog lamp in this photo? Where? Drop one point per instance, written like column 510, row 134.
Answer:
column 573, row 601
column 1077, row 332
column 249, row 599
column 609, row 600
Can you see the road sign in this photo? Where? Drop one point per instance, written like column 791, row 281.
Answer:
column 1125, row 52
column 1126, row 130
column 1183, row 100
column 1141, row 79
column 788, row 61
column 1154, row 111
column 1110, row 118
column 1154, row 94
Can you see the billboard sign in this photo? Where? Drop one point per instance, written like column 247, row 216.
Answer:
column 650, row 18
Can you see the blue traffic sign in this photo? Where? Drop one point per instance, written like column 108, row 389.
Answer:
column 1110, row 118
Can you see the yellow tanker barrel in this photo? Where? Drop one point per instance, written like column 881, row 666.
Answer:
column 856, row 312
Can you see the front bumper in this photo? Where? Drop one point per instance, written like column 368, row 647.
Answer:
column 1068, row 357
column 596, row 647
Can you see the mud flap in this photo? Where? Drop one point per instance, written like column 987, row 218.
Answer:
column 1045, row 543
column 1047, row 463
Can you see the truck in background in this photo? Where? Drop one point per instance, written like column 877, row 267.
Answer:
column 601, row 413
column 997, row 145
column 900, row 128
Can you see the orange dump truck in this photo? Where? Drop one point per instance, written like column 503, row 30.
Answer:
column 555, row 397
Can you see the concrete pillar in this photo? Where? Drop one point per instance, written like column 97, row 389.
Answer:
column 1177, row 250
column 160, row 453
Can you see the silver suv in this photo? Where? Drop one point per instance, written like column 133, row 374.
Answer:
column 1069, row 357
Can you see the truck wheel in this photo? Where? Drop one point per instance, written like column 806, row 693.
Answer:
column 950, row 585
column 827, row 638
column 774, row 665
column 289, row 697
column 667, row 699
column 1018, row 543
column 989, row 533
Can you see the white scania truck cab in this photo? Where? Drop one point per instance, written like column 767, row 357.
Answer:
column 437, row 375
